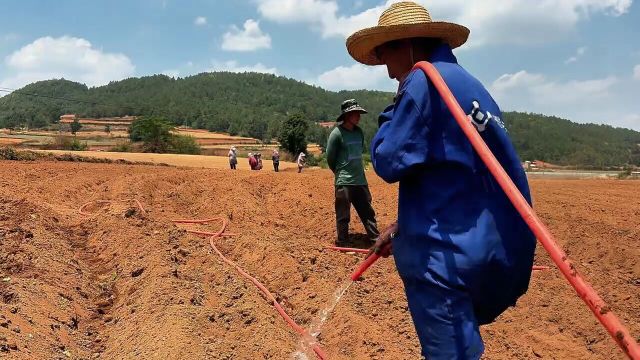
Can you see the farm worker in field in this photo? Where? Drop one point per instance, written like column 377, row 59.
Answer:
column 233, row 158
column 252, row 161
column 258, row 161
column 461, row 249
column 275, row 157
column 344, row 156
column 302, row 158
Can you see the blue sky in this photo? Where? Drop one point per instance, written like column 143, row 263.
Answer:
column 579, row 59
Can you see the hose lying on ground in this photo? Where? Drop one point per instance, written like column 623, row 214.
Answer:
column 212, row 236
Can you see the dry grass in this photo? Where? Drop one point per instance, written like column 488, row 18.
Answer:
column 11, row 141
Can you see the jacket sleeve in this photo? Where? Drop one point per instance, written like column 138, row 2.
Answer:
column 401, row 143
column 332, row 150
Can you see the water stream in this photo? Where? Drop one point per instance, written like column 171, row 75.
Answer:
column 305, row 348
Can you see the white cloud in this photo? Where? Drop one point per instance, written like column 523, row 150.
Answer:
column 293, row 11
column 522, row 22
column 603, row 100
column 355, row 77
column 322, row 15
column 65, row 57
column 200, row 21
column 636, row 72
column 579, row 53
column 490, row 21
column 526, row 91
column 233, row 66
column 174, row 73
column 250, row 38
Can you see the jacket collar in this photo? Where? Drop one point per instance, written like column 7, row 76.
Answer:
column 443, row 53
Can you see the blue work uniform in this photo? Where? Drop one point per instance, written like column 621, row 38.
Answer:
column 462, row 250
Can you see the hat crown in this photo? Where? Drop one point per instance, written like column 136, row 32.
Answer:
column 406, row 12
column 348, row 103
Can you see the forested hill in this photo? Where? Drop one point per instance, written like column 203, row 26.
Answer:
column 255, row 104
column 247, row 104
column 563, row 142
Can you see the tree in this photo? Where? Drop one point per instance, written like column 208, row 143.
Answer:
column 75, row 125
column 293, row 136
column 153, row 131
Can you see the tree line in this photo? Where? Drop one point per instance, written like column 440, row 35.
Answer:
column 258, row 106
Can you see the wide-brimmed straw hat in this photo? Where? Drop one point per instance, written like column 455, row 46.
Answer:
column 403, row 20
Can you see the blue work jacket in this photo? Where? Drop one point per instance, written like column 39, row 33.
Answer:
column 457, row 228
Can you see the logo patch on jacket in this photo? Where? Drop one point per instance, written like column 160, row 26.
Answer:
column 480, row 119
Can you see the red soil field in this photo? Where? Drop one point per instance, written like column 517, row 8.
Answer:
column 126, row 285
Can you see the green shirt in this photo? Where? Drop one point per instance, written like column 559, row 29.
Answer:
column 344, row 156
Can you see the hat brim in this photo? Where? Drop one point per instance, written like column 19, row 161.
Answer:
column 362, row 44
column 357, row 108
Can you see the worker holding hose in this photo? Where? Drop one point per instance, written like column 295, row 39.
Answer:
column 462, row 250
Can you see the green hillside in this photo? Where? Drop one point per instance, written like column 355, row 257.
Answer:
column 255, row 105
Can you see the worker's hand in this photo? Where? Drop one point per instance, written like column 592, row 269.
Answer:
column 384, row 244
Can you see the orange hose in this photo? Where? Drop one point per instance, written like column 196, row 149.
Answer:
column 299, row 329
column 364, row 266
column 599, row 308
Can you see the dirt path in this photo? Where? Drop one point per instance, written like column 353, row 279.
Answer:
column 115, row 287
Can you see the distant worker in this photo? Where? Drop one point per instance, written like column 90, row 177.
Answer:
column 460, row 247
column 233, row 158
column 344, row 157
column 302, row 159
column 275, row 157
column 258, row 161
column 252, row 161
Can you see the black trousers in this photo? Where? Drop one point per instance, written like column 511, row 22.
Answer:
column 360, row 197
column 276, row 166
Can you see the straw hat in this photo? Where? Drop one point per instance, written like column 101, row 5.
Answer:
column 403, row 20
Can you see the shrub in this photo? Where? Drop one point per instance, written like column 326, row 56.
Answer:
column 9, row 153
column 122, row 147
column 625, row 174
column 317, row 160
column 184, row 144
column 62, row 142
